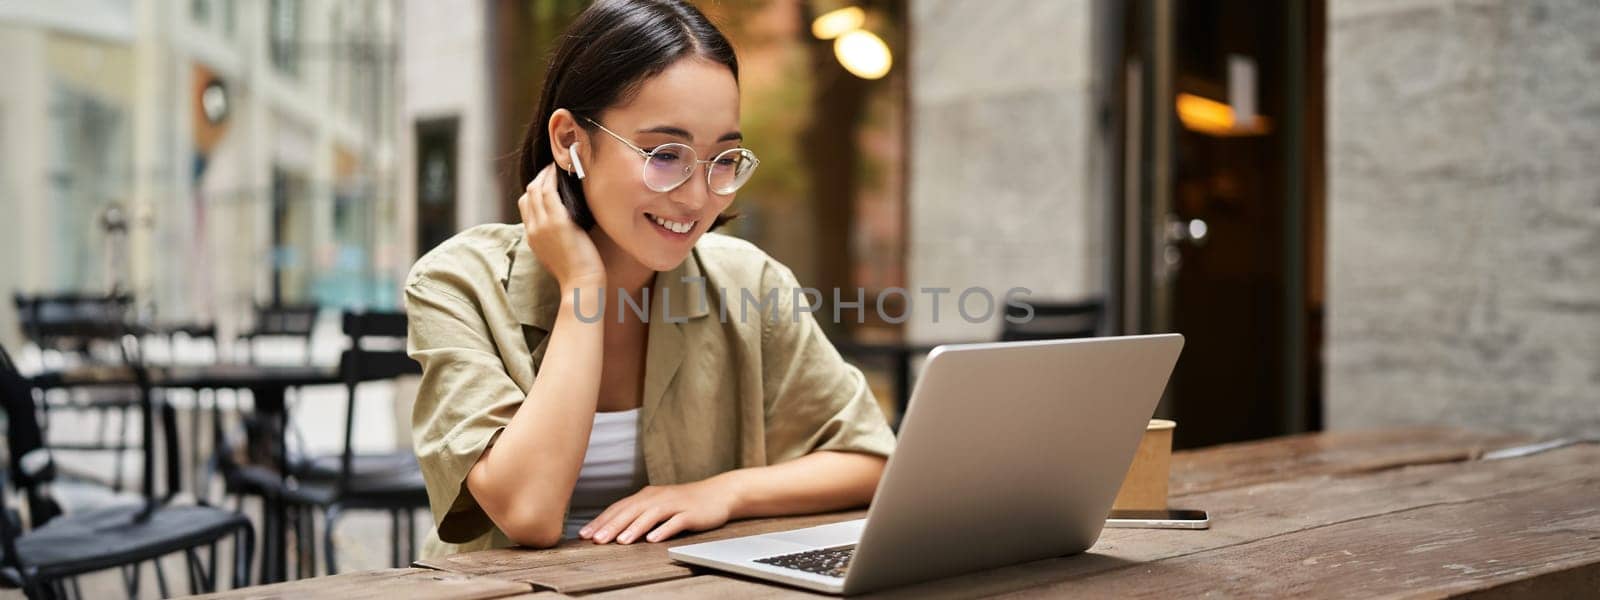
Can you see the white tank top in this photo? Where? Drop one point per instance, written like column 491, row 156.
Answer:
column 611, row 468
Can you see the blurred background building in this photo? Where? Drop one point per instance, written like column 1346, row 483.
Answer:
column 206, row 156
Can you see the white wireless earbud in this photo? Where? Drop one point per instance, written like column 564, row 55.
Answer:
column 577, row 165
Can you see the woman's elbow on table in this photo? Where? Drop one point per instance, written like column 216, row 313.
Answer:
column 531, row 528
column 525, row 515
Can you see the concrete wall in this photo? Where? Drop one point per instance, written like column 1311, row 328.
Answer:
column 22, row 58
column 1464, row 214
column 1000, row 190
column 445, row 48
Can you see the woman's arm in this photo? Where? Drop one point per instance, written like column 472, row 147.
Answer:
column 817, row 482
column 525, row 480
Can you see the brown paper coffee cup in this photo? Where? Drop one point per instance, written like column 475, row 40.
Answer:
column 1145, row 487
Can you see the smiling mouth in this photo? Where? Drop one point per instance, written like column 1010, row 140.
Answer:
column 678, row 227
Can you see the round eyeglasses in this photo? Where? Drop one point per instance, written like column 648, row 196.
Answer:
column 669, row 165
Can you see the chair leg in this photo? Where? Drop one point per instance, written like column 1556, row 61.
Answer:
column 211, row 579
column 101, row 424
column 411, row 536
column 195, row 450
column 196, row 571
column 407, row 536
column 244, row 548
column 161, row 578
column 77, row 590
column 309, row 543
column 130, row 579
column 394, row 538
column 35, row 589
column 293, row 526
column 304, row 541
column 269, row 548
column 329, row 518
column 121, row 447
column 213, row 463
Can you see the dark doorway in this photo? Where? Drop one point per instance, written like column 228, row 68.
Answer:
column 1222, row 209
column 436, row 182
column 291, row 236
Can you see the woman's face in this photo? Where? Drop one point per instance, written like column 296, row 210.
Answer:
column 693, row 102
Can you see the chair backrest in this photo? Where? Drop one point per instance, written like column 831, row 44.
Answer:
column 292, row 321
column 73, row 320
column 285, row 320
column 361, row 362
column 1053, row 321
column 31, row 465
column 377, row 351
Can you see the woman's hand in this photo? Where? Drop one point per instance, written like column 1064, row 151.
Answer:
column 694, row 506
column 564, row 248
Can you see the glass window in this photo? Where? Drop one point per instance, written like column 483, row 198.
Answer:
column 283, row 33
column 230, row 17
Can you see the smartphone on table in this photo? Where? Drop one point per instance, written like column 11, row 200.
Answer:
column 1172, row 518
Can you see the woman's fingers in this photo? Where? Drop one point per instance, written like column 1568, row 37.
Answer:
column 528, row 206
column 605, row 517
column 592, row 528
column 564, row 249
column 536, row 197
column 550, row 197
column 609, row 528
column 672, row 527
column 642, row 524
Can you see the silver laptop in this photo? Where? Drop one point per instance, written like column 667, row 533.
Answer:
column 1009, row 452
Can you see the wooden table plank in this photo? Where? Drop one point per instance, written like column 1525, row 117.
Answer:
column 386, row 584
column 1327, row 453
column 578, row 566
column 1436, row 551
column 1240, row 516
column 711, row 587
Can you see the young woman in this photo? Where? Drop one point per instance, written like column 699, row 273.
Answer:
column 552, row 407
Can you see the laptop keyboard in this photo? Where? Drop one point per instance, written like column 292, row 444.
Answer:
column 829, row 562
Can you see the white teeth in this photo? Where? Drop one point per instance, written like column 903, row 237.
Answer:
column 674, row 226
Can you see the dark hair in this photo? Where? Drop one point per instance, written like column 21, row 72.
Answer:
column 609, row 50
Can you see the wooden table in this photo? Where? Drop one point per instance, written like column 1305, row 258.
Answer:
column 1355, row 514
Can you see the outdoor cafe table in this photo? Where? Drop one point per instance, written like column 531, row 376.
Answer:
column 268, row 385
column 1410, row 512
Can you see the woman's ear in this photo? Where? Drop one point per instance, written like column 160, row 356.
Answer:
column 565, row 135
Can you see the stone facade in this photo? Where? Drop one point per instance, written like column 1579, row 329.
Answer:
column 1464, row 214
column 1000, row 192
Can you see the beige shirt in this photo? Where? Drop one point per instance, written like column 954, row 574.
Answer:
column 722, row 390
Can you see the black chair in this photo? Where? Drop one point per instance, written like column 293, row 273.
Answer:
column 44, row 559
column 1053, row 321
column 72, row 321
column 349, row 481
column 294, row 322
column 82, row 327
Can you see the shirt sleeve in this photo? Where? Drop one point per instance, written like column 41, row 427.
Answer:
column 814, row 399
column 465, row 400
